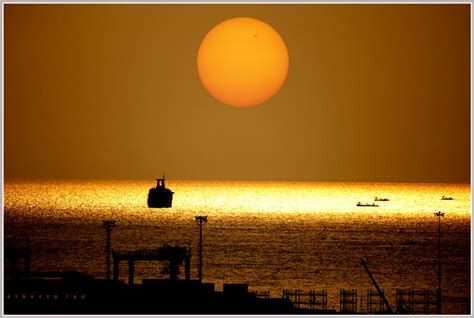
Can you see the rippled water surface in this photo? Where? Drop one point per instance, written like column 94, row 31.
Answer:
column 271, row 235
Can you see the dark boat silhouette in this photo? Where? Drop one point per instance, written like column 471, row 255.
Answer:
column 446, row 198
column 367, row 204
column 381, row 199
column 160, row 196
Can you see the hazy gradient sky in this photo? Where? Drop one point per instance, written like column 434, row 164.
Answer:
column 374, row 93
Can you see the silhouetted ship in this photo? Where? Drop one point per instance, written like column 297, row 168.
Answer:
column 367, row 204
column 381, row 199
column 160, row 196
column 446, row 198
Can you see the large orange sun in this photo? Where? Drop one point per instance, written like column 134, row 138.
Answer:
column 242, row 62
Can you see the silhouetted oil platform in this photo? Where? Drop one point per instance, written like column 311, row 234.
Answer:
column 160, row 196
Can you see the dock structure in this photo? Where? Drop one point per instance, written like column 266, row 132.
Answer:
column 412, row 301
column 380, row 292
column 312, row 299
column 375, row 303
column 262, row 294
column 175, row 255
column 16, row 252
column 348, row 301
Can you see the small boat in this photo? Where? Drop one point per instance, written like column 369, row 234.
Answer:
column 381, row 199
column 160, row 196
column 446, row 198
column 367, row 204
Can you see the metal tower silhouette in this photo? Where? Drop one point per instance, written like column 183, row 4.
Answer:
column 108, row 225
column 200, row 220
column 439, row 215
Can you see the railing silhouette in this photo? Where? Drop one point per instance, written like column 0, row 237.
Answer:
column 262, row 295
column 412, row 301
column 375, row 303
column 348, row 301
column 314, row 300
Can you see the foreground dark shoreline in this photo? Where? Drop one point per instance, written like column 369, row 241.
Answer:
column 78, row 294
column 48, row 293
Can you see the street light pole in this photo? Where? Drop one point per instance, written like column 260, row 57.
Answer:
column 108, row 225
column 439, row 215
column 200, row 221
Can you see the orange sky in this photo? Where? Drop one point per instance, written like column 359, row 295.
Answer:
column 373, row 93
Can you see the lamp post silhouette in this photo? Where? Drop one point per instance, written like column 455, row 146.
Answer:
column 108, row 225
column 439, row 215
column 200, row 220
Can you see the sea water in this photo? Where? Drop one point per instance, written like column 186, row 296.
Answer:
column 270, row 235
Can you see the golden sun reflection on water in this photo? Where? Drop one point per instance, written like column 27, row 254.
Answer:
column 269, row 199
